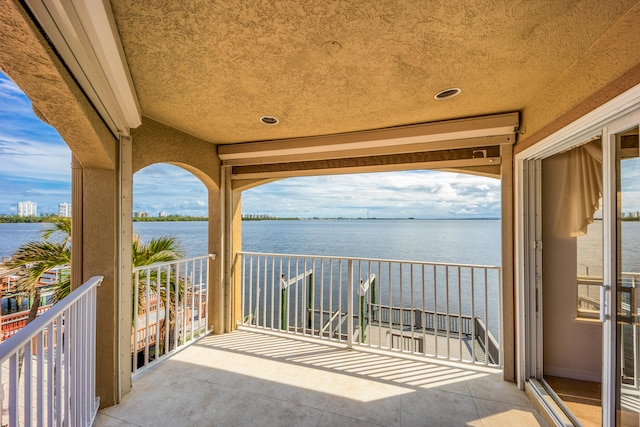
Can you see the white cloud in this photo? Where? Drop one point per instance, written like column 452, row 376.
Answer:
column 168, row 188
column 420, row 194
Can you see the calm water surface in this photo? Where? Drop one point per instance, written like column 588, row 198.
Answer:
column 448, row 241
column 468, row 241
column 471, row 242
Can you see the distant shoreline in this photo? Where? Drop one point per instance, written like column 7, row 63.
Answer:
column 156, row 219
column 14, row 219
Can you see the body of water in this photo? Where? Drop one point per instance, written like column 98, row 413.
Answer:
column 14, row 235
column 447, row 241
column 468, row 241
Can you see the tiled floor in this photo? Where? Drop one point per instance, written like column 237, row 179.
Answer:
column 252, row 378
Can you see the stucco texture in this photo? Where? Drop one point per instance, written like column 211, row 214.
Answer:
column 154, row 142
column 212, row 69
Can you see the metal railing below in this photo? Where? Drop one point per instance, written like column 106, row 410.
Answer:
column 48, row 367
column 12, row 323
column 448, row 311
column 169, row 308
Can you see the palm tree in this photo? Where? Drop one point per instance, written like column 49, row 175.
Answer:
column 38, row 257
column 162, row 249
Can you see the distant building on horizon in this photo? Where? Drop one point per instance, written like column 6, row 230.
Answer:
column 162, row 214
column 257, row 216
column 27, row 209
column 140, row 214
column 64, row 210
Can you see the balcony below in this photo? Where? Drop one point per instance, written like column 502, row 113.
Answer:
column 253, row 377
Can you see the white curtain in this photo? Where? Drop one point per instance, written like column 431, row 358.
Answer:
column 581, row 189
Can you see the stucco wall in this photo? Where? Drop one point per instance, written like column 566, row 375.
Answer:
column 154, row 142
column 572, row 348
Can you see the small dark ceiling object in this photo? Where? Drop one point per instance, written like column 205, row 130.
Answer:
column 269, row 120
column 447, row 93
column 331, row 47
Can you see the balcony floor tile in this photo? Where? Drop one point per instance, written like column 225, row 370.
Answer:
column 255, row 378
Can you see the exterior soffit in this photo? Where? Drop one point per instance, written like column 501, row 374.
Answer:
column 327, row 66
column 609, row 67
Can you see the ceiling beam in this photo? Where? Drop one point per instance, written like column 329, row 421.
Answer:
column 467, row 157
column 442, row 164
column 423, row 147
column 410, row 138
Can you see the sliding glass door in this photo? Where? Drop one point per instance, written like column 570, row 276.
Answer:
column 561, row 253
column 625, row 264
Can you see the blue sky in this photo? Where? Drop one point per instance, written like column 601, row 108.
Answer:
column 35, row 165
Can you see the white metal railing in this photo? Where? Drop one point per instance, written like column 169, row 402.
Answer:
column 628, row 313
column 169, row 308
column 589, row 296
column 48, row 367
column 449, row 311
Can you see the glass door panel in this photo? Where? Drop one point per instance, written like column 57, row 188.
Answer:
column 627, row 267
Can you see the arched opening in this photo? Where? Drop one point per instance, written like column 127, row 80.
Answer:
column 407, row 261
column 170, row 201
column 170, row 266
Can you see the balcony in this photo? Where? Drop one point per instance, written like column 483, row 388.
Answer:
column 321, row 341
column 292, row 361
column 253, row 377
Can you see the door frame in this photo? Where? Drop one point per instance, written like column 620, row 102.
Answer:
column 610, row 217
column 606, row 121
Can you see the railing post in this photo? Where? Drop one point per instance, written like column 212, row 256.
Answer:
column 310, row 301
column 363, row 310
column 284, row 321
column 350, row 304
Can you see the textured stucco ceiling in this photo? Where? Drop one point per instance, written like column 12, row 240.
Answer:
column 213, row 68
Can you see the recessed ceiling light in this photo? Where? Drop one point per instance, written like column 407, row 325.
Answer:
column 448, row 93
column 331, row 47
column 269, row 120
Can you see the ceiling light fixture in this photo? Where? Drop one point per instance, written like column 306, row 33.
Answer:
column 269, row 120
column 447, row 93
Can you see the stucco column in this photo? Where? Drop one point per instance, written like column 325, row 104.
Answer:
column 226, row 295
column 125, row 261
column 216, row 276
column 99, row 247
column 235, row 291
column 508, row 282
